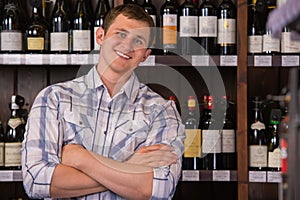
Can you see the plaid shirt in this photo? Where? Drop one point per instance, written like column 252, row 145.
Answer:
column 82, row 112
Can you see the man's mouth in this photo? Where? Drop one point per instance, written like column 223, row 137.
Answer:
column 122, row 55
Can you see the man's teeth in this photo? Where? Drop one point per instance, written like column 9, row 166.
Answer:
column 122, row 55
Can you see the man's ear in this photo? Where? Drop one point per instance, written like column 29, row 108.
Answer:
column 100, row 35
column 146, row 55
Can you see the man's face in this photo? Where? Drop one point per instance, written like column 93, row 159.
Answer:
column 124, row 45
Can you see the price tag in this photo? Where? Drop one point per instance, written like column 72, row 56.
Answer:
column 79, row 59
column 34, row 59
column 228, row 61
column 190, row 175
column 12, row 59
column 274, row 177
column 289, row 61
column 263, row 61
column 6, row 176
column 257, row 176
column 58, row 59
column 150, row 61
column 200, row 60
column 221, row 175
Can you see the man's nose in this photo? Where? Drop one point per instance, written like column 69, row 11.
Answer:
column 127, row 44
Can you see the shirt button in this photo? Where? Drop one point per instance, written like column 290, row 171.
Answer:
column 80, row 122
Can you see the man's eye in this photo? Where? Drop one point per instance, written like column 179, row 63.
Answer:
column 122, row 35
column 139, row 42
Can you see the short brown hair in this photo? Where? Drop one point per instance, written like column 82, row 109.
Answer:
column 132, row 11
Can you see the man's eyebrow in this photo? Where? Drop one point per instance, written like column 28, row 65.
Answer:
column 138, row 36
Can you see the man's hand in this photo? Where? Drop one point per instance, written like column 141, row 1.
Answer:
column 157, row 155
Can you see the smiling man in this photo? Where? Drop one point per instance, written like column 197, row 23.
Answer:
column 105, row 135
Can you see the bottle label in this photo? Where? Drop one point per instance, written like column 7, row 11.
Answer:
column 188, row 26
column 258, row 126
column 81, row 40
column 59, row 41
column 274, row 158
column 12, row 154
column 170, row 31
column 11, row 41
column 15, row 122
column 1, row 153
column 288, row 45
column 255, row 44
column 270, row 43
column 191, row 103
column 96, row 45
column 258, row 155
column 208, row 26
column 226, row 31
column 228, row 141
column 211, row 141
column 35, row 43
column 192, row 143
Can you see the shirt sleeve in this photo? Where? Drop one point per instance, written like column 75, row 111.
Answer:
column 41, row 146
column 167, row 128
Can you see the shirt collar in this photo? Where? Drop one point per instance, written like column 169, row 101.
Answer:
column 130, row 88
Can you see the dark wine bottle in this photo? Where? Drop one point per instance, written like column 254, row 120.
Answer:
column 151, row 10
column 2, row 135
column 192, row 143
column 130, row 1
column 208, row 28
column 14, row 134
column 13, row 28
column 227, row 14
column 61, row 25
column 258, row 146
column 211, row 137
column 37, row 33
column 169, row 24
column 274, row 154
column 101, row 10
column 82, row 34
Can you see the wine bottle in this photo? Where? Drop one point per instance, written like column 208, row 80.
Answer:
column 13, row 28
column 227, row 28
column 192, row 142
column 208, row 27
column 256, row 26
column 211, row 137
column 82, row 34
column 188, row 28
column 1, row 146
column 14, row 134
column 101, row 10
column 130, row 1
column 37, row 33
column 274, row 154
column 228, row 137
column 258, row 147
column 169, row 24
column 271, row 45
column 151, row 10
column 61, row 25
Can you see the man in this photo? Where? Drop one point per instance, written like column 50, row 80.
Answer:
column 105, row 135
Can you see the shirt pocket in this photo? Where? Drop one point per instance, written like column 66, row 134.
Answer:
column 128, row 136
column 80, row 129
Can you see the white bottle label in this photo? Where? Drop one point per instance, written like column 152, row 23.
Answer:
column 228, row 141
column 258, row 155
column 12, row 154
column 15, row 122
column 11, row 41
column 59, row 41
column 81, row 40
column 288, row 45
column 1, row 153
column 188, row 26
column 258, row 126
column 274, row 158
column 255, row 44
column 270, row 43
column 208, row 26
column 211, row 141
column 226, row 31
